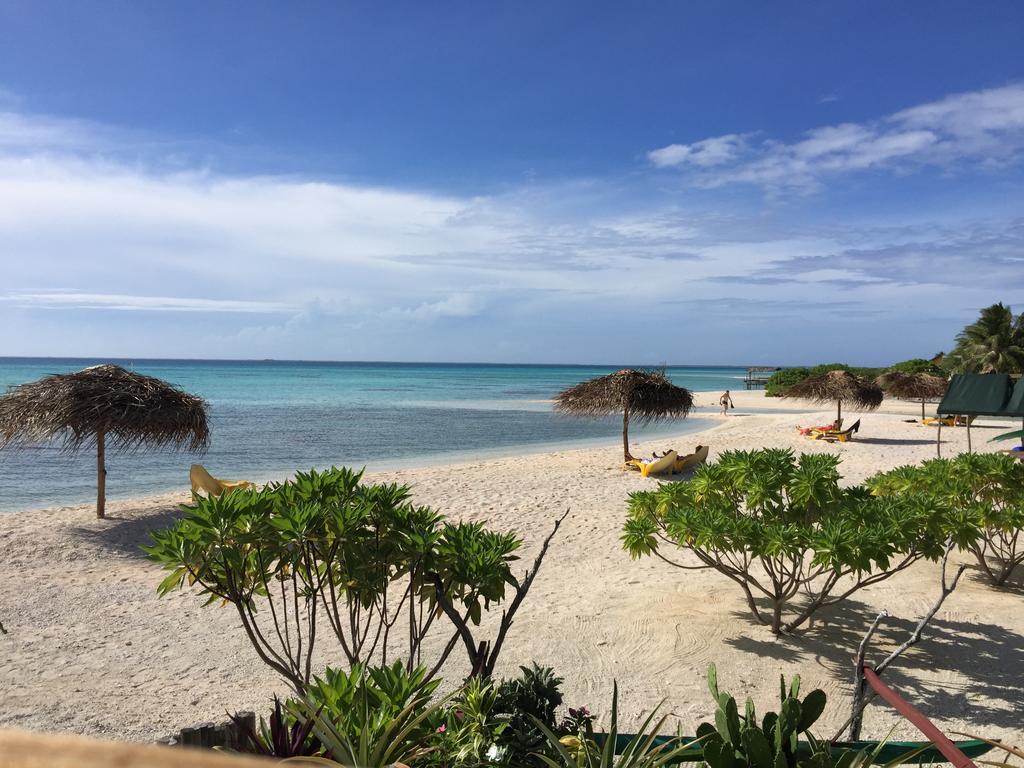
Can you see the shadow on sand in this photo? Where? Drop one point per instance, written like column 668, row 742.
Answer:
column 125, row 535
column 892, row 441
column 989, row 656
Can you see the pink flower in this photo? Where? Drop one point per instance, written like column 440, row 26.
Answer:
column 442, row 728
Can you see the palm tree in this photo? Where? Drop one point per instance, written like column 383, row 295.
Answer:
column 994, row 343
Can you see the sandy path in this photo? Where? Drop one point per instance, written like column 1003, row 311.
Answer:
column 92, row 650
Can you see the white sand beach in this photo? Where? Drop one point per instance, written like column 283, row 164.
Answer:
column 91, row 649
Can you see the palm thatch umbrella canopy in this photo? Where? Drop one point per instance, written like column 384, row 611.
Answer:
column 913, row 386
column 645, row 395
column 839, row 387
column 100, row 404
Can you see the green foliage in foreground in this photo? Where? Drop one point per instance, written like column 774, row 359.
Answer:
column 782, row 380
column 982, row 493
column 329, row 548
column 784, row 530
column 375, row 717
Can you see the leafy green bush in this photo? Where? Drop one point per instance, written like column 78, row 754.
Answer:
column 916, row 365
column 782, row 380
column 522, row 702
column 470, row 733
column 983, row 493
column 327, row 547
column 782, row 528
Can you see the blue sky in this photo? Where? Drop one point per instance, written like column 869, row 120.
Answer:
column 692, row 183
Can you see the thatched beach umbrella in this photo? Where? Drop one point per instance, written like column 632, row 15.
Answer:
column 839, row 387
column 644, row 395
column 100, row 404
column 913, row 386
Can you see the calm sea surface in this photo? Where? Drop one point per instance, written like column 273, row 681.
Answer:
column 270, row 418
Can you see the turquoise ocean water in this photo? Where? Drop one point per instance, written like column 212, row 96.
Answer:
column 270, row 418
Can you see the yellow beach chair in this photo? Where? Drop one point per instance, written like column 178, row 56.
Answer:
column 691, row 460
column 203, row 481
column 656, row 467
column 836, row 435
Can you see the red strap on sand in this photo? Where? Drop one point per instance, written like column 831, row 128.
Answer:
column 905, row 708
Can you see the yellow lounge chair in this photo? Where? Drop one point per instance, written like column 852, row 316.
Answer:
column 203, row 481
column 691, row 460
column 658, row 466
column 833, row 435
column 933, row 421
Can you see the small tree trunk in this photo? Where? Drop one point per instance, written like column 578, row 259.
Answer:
column 101, row 477
column 777, row 617
column 625, row 435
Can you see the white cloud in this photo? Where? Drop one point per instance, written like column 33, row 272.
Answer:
column 981, row 128
column 456, row 305
column 77, row 300
column 102, row 252
column 703, row 154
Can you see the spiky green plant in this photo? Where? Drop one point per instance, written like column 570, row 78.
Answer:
column 645, row 750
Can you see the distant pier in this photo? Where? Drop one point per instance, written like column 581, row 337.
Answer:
column 757, row 377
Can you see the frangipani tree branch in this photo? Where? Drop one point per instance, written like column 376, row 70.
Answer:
column 862, row 697
column 484, row 655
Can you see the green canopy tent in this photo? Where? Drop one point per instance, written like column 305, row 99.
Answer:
column 979, row 394
column 1014, row 407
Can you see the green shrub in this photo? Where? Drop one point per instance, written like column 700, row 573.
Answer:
column 782, row 380
column 328, row 549
column 784, row 530
column 916, row 365
column 522, row 702
column 983, row 493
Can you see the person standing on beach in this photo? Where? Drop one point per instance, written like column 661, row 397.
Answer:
column 726, row 402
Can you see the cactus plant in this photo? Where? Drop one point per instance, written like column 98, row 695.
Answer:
column 738, row 741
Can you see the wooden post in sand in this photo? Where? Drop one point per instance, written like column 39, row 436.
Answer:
column 101, row 476
column 626, row 455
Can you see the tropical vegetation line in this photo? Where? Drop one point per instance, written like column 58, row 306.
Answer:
column 994, row 343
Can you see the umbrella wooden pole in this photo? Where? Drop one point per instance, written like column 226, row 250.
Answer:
column 839, row 413
column 922, row 409
column 938, row 440
column 101, row 476
column 625, row 434
column 969, row 434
